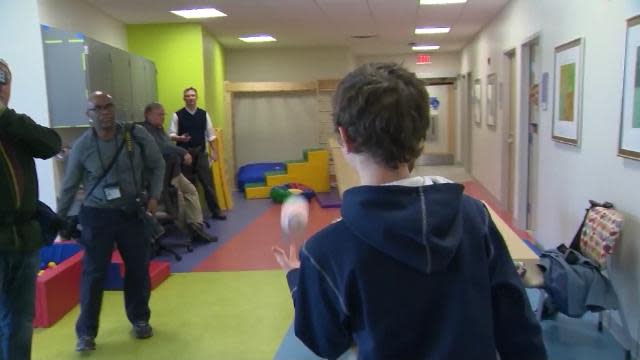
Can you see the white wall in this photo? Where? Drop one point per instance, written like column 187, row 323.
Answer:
column 80, row 16
column 29, row 90
column 568, row 176
column 287, row 64
column 442, row 64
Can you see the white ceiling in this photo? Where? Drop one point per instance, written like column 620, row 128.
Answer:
column 312, row 23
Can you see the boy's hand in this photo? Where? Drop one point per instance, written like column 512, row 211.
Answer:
column 287, row 263
column 187, row 160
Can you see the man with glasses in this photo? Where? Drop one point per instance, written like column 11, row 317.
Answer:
column 114, row 163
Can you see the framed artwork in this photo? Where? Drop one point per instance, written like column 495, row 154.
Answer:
column 492, row 83
column 629, row 142
column 567, row 92
column 477, row 98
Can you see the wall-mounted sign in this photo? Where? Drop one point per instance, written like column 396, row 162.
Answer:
column 422, row 59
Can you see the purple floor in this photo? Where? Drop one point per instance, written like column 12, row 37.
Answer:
column 247, row 212
column 329, row 199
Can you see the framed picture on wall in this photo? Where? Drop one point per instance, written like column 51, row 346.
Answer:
column 629, row 142
column 567, row 92
column 477, row 102
column 492, row 80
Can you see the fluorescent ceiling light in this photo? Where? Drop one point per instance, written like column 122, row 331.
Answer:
column 425, row 47
column 432, row 30
column 257, row 38
column 199, row 13
column 441, row 2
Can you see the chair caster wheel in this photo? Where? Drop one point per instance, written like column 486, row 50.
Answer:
column 178, row 258
column 189, row 249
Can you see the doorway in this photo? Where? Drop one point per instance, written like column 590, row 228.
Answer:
column 439, row 147
column 509, row 132
column 532, row 72
column 465, row 125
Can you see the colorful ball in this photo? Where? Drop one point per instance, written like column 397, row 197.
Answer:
column 51, row 264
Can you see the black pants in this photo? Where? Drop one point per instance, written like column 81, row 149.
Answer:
column 101, row 229
column 199, row 171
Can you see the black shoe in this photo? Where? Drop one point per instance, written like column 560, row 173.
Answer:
column 85, row 343
column 142, row 330
column 219, row 216
column 199, row 235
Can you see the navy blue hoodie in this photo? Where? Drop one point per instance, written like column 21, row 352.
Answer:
column 412, row 272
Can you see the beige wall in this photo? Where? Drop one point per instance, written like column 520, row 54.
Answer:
column 287, row 64
column 80, row 16
column 442, row 64
column 568, row 176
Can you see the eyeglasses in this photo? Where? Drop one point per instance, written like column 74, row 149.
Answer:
column 98, row 108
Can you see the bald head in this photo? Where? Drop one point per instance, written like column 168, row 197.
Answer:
column 100, row 110
column 99, row 96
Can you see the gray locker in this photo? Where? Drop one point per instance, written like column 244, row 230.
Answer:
column 99, row 75
column 66, row 77
column 76, row 66
column 142, row 82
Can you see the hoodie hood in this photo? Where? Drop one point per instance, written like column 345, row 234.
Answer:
column 415, row 224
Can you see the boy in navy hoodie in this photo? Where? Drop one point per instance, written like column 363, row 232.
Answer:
column 415, row 269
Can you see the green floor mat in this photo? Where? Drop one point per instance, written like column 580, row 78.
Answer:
column 233, row 315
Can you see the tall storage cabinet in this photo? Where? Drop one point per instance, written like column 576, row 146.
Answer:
column 76, row 65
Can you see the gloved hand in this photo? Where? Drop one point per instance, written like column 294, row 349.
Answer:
column 69, row 228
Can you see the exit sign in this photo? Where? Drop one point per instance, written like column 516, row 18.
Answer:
column 423, row 59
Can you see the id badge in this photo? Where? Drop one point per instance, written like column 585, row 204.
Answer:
column 112, row 192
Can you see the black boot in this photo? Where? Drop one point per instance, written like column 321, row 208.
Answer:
column 199, row 235
column 219, row 216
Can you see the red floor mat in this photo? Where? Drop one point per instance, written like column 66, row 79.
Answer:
column 251, row 248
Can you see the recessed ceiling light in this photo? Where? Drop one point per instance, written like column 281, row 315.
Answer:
column 425, row 47
column 199, row 13
column 432, row 30
column 441, row 2
column 257, row 38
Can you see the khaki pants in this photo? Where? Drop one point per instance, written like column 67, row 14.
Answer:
column 189, row 210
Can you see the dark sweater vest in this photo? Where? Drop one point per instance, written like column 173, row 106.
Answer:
column 195, row 125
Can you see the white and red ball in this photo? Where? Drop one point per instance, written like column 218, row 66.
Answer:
column 294, row 215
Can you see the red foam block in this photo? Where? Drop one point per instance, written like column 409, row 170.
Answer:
column 57, row 291
column 159, row 271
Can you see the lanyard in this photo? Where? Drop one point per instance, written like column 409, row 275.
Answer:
column 115, row 139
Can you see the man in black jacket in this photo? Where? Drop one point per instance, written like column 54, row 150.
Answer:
column 21, row 139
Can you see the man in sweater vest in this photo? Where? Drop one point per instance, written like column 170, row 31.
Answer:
column 21, row 139
column 191, row 129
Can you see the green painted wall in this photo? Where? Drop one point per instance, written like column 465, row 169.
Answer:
column 218, row 83
column 177, row 51
column 214, row 78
